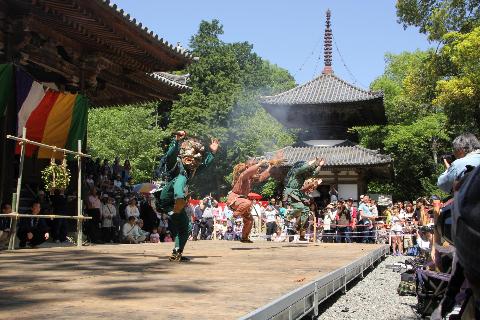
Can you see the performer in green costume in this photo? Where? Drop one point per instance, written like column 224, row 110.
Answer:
column 299, row 182
column 183, row 158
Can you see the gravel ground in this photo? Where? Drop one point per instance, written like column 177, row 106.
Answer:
column 374, row 297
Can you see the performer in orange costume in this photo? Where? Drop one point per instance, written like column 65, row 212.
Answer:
column 244, row 174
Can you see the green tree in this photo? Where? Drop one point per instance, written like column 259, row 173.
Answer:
column 438, row 17
column 128, row 132
column 227, row 82
column 459, row 92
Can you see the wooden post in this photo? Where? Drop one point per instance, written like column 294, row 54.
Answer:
column 314, row 229
column 214, row 228
column 13, row 223
column 79, row 196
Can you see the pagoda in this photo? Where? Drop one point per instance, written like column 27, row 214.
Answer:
column 326, row 106
column 323, row 110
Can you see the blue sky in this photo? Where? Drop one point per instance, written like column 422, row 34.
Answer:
column 287, row 32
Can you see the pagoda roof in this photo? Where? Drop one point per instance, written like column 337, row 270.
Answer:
column 327, row 88
column 335, row 156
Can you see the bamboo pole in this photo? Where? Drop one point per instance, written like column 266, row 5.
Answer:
column 35, row 143
column 49, row 216
column 79, row 196
column 13, row 223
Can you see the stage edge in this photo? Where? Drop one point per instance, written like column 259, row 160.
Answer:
column 306, row 299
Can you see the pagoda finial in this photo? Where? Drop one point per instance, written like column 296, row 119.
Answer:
column 327, row 46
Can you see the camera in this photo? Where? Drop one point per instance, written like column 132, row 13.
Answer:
column 448, row 157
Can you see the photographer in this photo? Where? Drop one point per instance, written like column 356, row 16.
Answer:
column 466, row 150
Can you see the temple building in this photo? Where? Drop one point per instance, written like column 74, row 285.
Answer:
column 90, row 49
column 323, row 110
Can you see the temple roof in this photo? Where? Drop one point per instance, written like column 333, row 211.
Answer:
column 335, row 156
column 325, row 89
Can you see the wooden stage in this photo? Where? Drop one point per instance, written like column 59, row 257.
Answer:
column 224, row 280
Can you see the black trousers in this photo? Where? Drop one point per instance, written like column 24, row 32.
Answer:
column 38, row 238
column 207, row 229
column 108, row 233
column 59, row 230
column 271, row 229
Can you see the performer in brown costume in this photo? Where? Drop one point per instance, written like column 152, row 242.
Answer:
column 244, row 174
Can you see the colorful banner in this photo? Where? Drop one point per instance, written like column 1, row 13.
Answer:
column 51, row 117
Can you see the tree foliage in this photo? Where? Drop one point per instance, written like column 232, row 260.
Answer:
column 227, row 82
column 129, row 132
column 439, row 17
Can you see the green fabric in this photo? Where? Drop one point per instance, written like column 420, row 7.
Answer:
column 295, row 179
column 78, row 127
column 176, row 189
column 181, row 229
column 299, row 210
column 6, row 86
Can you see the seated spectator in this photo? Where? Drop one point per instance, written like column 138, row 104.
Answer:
column 132, row 210
column 59, row 207
column 163, row 227
column 5, row 225
column 168, row 237
column 32, row 231
column 131, row 232
column 117, row 183
column 154, row 236
column 229, row 234
column 108, row 213
column 238, row 229
column 142, row 230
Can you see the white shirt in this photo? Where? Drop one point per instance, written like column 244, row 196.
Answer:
column 132, row 211
column 328, row 218
column 270, row 215
column 108, row 211
column 256, row 210
column 129, row 230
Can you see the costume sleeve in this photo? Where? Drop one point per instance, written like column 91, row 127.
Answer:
column 306, row 169
column 172, row 153
column 250, row 172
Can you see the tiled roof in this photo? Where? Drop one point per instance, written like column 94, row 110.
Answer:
column 153, row 37
column 326, row 88
column 336, row 156
column 172, row 80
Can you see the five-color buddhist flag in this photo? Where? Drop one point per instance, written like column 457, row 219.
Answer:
column 50, row 116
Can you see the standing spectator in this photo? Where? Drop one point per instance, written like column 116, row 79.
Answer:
column 270, row 221
column 126, row 173
column 397, row 232
column 117, row 167
column 131, row 232
column 197, row 220
column 367, row 218
column 108, row 212
column 59, row 207
column 106, row 169
column 132, row 210
column 148, row 214
column 207, row 223
column 353, row 222
column 343, row 218
column 256, row 212
column 33, row 231
column 333, row 194
column 328, row 218
column 94, row 224
column 466, row 149
column 5, row 225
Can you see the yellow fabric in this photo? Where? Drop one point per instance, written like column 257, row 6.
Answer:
column 58, row 125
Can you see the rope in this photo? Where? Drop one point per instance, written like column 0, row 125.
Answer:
column 355, row 81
